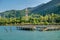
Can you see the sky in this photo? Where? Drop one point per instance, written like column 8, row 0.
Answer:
column 19, row 4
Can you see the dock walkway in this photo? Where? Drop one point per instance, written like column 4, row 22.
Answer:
column 39, row 27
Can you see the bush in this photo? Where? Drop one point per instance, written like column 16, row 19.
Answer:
column 46, row 23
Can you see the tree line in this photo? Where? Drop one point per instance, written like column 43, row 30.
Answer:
column 32, row 19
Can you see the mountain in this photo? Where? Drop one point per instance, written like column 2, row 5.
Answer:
column 51, row 7
column 47, row 8
column 12, row 13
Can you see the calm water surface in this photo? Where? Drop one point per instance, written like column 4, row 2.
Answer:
column 10, row 33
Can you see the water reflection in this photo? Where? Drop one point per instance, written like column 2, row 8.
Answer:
column 11, row 33
column 7, row 28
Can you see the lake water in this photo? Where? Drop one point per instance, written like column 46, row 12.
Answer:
column 10, row 33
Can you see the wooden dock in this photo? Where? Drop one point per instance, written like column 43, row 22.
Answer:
column 39, row 27
column 29, row 28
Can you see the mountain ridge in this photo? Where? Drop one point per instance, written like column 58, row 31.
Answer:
column 47, row 8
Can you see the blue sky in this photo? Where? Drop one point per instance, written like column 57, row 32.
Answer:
column 19, row 4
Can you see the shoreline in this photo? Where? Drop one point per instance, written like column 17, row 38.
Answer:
column 35, row 27
column 25, row 24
